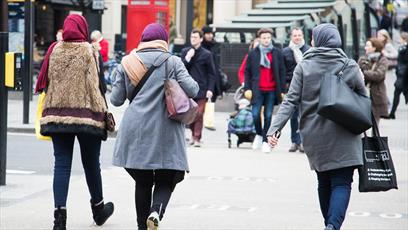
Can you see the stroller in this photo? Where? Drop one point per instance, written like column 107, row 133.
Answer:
column 241, row 122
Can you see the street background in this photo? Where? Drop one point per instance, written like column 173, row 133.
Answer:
column 236, row 188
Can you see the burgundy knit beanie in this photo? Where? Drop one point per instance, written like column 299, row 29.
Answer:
column 154, row 31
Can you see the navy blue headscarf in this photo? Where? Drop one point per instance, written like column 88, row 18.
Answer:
column 326, row 35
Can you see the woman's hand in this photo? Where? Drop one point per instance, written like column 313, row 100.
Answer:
column 273, row 140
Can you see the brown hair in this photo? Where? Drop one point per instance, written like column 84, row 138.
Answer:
column 197, row 31
column 377, row 44
column 295, row 28
column 264, row 31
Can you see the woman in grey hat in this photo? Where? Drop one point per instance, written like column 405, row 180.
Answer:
column 332, row 151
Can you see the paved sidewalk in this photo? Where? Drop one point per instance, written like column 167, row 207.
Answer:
column 236, row 188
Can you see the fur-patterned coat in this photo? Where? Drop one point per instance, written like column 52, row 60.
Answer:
column 374, row 73
column 73, row 102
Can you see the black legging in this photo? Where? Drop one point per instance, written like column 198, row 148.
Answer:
column 164, row 182
column 396, row 100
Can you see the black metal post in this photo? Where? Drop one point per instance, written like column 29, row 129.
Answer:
column 367, row 19
column 28, row 59
column 3, row 107
column 354, row 30
column 3, row 90
column 190, row 18
column 341, row 30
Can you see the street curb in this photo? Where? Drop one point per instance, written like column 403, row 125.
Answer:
column 20, row 130
column 29, row 130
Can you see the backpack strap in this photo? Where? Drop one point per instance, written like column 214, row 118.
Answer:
column 157, row 63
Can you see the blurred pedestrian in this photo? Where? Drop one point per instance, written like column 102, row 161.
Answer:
column 214, row 47
column 74, row 107
column 293, row 55
column 374, row 66
column 332, row 151
column 404, row 25
column 58, row 36
column 97, row 37
column 384, row 19
column 389, row 51
column 401, row 84
column 200, row 65
column 241, row 72
column 149, row 145
column 265, row 78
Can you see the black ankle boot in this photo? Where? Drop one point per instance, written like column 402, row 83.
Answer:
column 60, row 219
column 102, row 212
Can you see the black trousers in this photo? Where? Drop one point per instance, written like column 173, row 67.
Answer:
column 396, row 100
column 153, row 191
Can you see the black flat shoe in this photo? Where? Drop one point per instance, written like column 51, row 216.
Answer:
column 391, row 116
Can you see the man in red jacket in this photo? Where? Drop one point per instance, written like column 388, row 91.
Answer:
column 97, row 37
column 265, row 78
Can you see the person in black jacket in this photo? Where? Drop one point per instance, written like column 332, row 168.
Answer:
column 401, row 84
column 292, row 55
column 200, row 65
column 214, row 47
column 265, row 79
column 404, row 25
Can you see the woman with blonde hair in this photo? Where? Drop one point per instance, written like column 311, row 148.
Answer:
column 389, row 51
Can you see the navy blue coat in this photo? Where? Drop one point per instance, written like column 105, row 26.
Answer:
column 201, row 68
column 252, row 73
column 290, row 62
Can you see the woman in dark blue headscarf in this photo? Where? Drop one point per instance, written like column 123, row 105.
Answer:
column 332, row 151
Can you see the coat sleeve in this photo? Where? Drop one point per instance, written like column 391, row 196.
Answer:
column 187, row 83
column 282, row 72
column 390, row 51
column 378, row 73
column 363, row 63
column 183, row 58
column 357, row 80
column 290, row 102
column 211, row 73
column 118, row 94
column 241, row 71
column 286, row 63
column 248, row 75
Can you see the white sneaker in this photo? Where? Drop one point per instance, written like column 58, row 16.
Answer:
column 266, row 148
column 153, row 221
column 257, row 144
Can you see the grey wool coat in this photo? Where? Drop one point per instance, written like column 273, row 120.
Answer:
column 327, row 145
column 147, row 138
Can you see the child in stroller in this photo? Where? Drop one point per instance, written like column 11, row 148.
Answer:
column 241, row 124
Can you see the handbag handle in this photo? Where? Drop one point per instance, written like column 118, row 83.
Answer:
column 376, row 130
column 157, row 63
column 100, row 81
column 340, row 73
